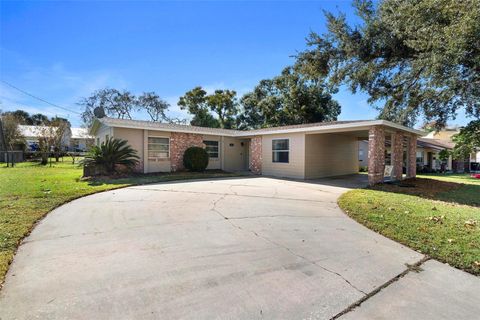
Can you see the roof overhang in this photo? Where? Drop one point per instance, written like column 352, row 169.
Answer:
column 327, row 128
column 343, row 127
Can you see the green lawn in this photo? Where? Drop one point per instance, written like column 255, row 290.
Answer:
column 29, row 191
column 438, row 215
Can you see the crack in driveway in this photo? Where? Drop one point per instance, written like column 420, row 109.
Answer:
column 413, row 267
column 214, row 209
column 235, row 194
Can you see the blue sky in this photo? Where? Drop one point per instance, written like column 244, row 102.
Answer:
column 62, row 51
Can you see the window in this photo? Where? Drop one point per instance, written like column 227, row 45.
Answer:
column 420, row 158
column 280, row 150
column 158, row 148
column 212, row 148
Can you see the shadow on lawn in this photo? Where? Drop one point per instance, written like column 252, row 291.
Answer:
column 140, row 178
column 459, row 193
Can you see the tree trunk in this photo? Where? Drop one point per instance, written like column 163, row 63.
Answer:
column 44, row 158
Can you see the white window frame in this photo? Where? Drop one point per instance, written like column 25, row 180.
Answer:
column 148, row 148
column 286, row 150
column 422, row 157
column 218, row 149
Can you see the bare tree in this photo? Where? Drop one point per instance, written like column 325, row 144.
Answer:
column 52, row 138
column 115, row 104
column 153, row 105
column 11, row 131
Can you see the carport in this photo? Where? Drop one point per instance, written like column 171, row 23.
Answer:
column 327, row 149
column 333, row 150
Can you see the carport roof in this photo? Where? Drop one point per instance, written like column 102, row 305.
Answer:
column 317, row 127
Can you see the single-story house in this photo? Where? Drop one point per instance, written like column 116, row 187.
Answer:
column 471, row 163
column 304, row 151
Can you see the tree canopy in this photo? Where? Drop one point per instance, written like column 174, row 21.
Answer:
column 25, row 118
column 413, row 58
column 287, row 99
column 222, row 103
column 467, row 140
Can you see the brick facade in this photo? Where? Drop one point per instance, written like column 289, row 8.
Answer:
column 412, row 157
column 376, row 154
column 256, row 155
column 179, row 142
column 397, row 155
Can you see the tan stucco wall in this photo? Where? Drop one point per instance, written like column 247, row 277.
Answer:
column 295, row 168
column 330, row 155
column 212, row 162
column 235, row 155
column 135, row 140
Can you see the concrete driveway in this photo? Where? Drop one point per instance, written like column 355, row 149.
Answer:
column 246, row 248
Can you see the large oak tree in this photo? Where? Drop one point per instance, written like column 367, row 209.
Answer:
column 287, row 99
column 413, row 58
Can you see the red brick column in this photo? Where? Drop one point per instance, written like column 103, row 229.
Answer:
column 412, row 157
column 376, row 154
column 397, row 155
column 179, row 142
column 256, row 155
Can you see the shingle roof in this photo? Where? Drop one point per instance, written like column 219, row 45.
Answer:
column 311, row 127
column 141, row 124
column 306, row 125
column 435, row 143
column 80, row 133
column 33, row 131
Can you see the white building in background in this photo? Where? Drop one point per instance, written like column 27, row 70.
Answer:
column 80, row 140
column 74, row 139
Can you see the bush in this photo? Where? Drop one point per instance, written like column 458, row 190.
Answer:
column 195, row 159
column 110, row 156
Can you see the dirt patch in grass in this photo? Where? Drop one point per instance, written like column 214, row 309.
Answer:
column 436, row 190
column 426, row 188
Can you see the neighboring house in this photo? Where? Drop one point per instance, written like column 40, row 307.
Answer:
column 80, row 140
column 446, row 135
column 33, row 134
column 74, row 139
column 299, row 151
column 427, row 154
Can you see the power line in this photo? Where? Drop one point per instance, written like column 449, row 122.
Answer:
column 38, row 98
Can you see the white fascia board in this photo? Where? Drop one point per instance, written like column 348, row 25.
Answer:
column 329, row 128
column 316, row 129
column 169, row 130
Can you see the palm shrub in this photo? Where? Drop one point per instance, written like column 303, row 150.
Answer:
column 195, row 159
column 111, row 154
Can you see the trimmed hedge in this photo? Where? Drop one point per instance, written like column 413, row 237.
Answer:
column 195, row 159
